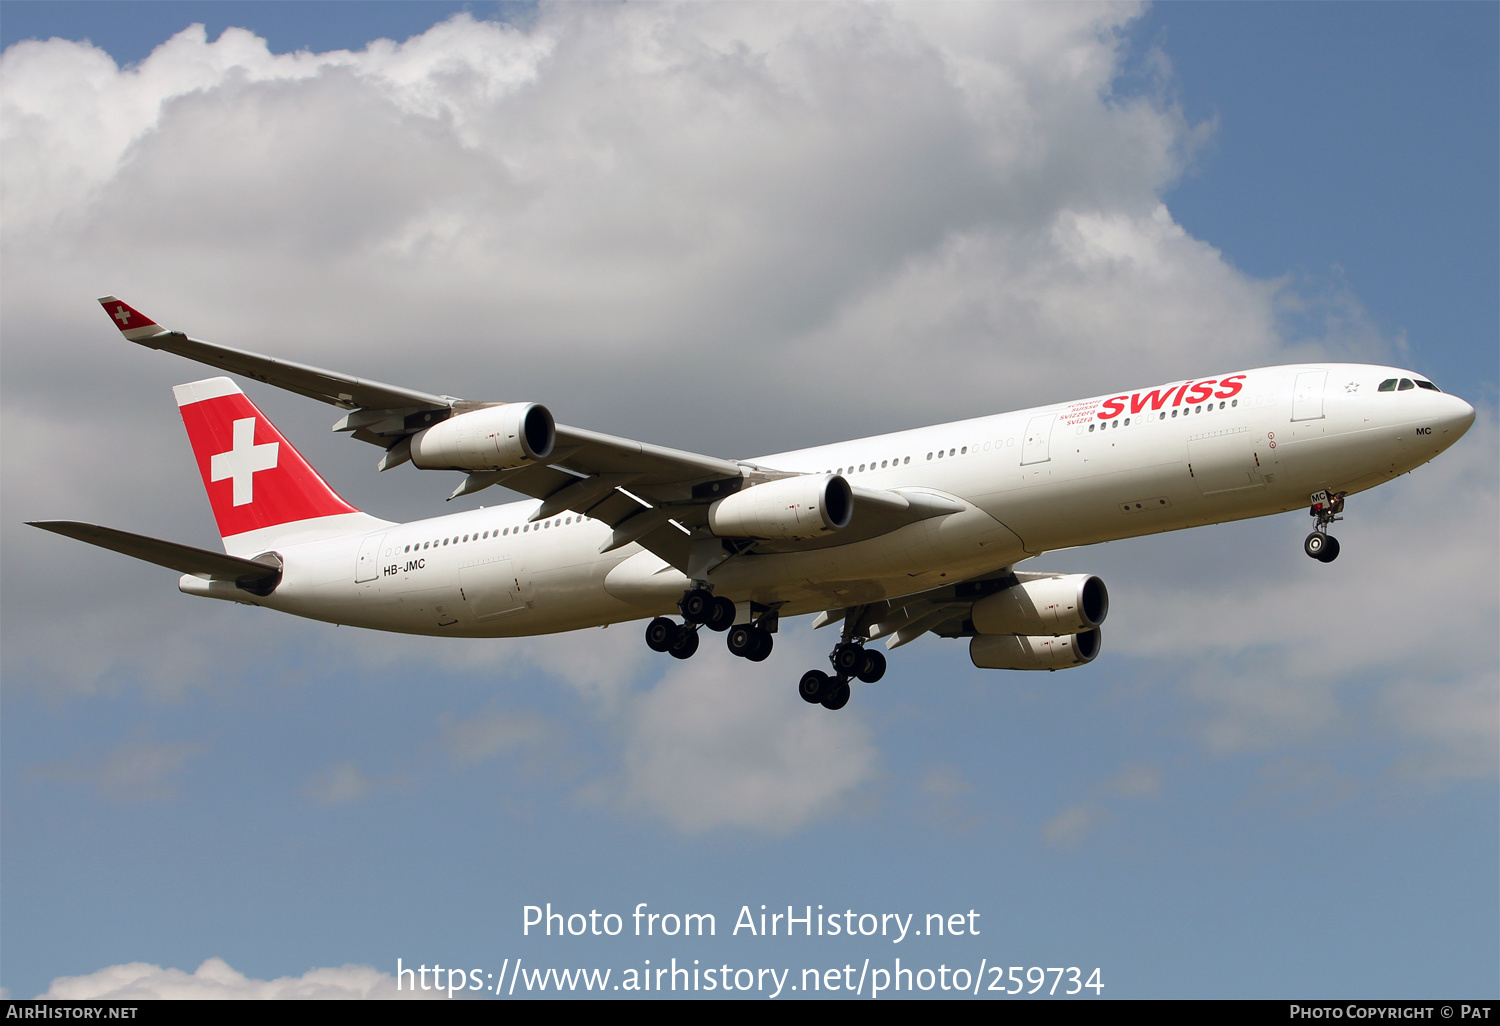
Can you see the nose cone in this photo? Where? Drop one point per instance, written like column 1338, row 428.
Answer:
column 1457, row 416
column 1453, row 418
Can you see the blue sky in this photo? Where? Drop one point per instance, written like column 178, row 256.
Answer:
column 1276, row 781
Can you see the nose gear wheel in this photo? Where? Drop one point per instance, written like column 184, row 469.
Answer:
column 1320, row 545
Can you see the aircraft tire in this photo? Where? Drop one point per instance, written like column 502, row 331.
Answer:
column 1314, row 544
column 741, row 640
column 848, row 659
column 720, row 615
column 1330, row 550
column 762, row 646
column 839, row 696
column 685, row 643
column 814, row 686
column 659, row 634
column 873, row 668
column 695, row 605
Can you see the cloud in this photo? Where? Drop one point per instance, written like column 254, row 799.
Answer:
column 717, row 744
column 134, row 772
column 1069, row 827
column 216, row 980
column 346, row 783
column 485, row 736
column 945, row 793
column 1137, row 782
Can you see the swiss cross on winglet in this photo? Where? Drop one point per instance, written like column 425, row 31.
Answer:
column 132, row 323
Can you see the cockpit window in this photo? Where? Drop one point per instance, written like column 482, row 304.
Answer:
column 1388, row 385
column 1427, row 385
column 1405, row 384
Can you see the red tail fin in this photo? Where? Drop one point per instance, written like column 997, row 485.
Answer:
column 253, row 476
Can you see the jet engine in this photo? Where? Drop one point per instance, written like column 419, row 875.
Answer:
column 793, row 508
column 494, row 438
column 1067, row 604
column 1028, row 652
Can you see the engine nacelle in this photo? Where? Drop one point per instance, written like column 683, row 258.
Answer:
column 1068, row 604
column 1028, row 652
column 793, row 508
column 494, row 438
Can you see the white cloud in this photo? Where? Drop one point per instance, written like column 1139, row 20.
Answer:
column 346, row 782
column 216, row 980
column 1069, row 827
column 718, row 743
column 482, row 737
column 946, row 797
column 1073, row 823
column 132, row 772
column 1137, row 782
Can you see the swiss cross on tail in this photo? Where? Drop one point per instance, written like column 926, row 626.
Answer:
column 253, row 476
column 133, row 324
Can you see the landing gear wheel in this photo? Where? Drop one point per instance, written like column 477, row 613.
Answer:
column 839, row 696
column 741, row 640
column 720, row 616
column 685, row 643
column 1330, row 550
column 659, row 634
column 763, row 645
column 848, row 659
column 1315, row 543
column 873, row 669
column 814, row 686
column 695, row 605
column 749, row 642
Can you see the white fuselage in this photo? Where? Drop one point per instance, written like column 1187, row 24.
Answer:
column 1098, row 469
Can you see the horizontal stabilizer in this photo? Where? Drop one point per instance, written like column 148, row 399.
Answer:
column 185, row 559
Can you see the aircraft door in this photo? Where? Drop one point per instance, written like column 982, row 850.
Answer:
column 1038, row 439
column 367, row 566
column 1307, row 395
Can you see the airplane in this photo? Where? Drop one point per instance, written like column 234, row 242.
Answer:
column 892, row 536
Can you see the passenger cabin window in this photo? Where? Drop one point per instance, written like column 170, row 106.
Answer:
column 1405, row 384
column 1388, row 385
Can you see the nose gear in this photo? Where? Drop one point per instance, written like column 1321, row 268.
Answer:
column 1326, row 506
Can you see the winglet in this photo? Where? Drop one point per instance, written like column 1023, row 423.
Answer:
column 133, row 324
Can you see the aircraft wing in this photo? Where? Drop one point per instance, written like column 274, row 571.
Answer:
column 639, row 489
column 185, row 559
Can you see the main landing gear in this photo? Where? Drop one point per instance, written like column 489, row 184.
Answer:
column 1320, row 545
column 850, row 661
column 700, row 608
